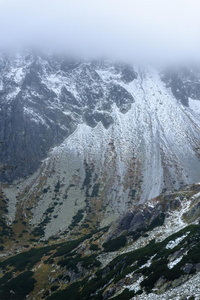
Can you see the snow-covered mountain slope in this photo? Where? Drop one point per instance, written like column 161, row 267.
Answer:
column 125, row 138
column 43, row 98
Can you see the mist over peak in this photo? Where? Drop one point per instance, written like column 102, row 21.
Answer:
column 145, row 31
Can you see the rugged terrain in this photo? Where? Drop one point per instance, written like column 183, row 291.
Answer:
column 152, row 252
column 98, row 162
column 98, row 137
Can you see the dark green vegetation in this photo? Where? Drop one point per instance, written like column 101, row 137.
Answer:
column 79, row 274
column 22, row 263
column 94, row 247
column 95, row 190
column 88, row 176
column 77, row 218
column 5, row 230
column 115, row 244
column 191, row 243
column 57, row 187
column 26, row 260
column 85, row 262
column 17, row 288
column 130, row 262
column 126, row 294
column 67, row 247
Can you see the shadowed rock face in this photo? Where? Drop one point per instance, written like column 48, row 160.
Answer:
column 43, row 98
column 25, row 142
column 184, row 83
column 144, row 218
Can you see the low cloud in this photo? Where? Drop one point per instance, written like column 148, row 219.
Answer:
column 136, row 30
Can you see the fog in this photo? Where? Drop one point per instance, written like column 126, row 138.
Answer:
column 136, row 30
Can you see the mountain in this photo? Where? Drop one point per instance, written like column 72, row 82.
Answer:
column 87, row 140
column 98, row 161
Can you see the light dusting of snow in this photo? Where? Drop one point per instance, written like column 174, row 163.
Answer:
column 14, row 93
column 136, row 285
column 194, row 105
column 155, row 127
column 173, row 223
column 19, row 73
column 196, row 196
column 54, row 83
column 147, row 130
column 190, row 288
column 174, row 262
column 35, row 117
column 108, row 76
column 148, row 263
column 173, row 244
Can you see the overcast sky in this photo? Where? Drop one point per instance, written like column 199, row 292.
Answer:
column 130, row 29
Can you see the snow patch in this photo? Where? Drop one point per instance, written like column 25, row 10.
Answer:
column 184, row 291
column 18, row 75
column 136, row 285
column 35, row 117
column 194, row 105
column 14, row 93
column 195, row 196
column 173, row 244
column 174, row 262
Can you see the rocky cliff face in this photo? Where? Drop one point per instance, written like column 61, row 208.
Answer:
column 97, row 136
column 43, row 98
